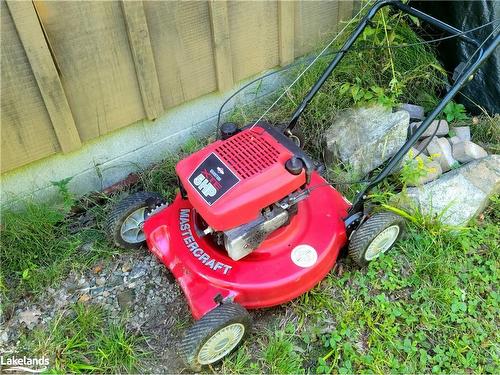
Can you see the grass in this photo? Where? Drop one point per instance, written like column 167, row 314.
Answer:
column 42, row 243
column 80, row 341
column 429, row 306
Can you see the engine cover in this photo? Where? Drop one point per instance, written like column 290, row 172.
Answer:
column 229, row 182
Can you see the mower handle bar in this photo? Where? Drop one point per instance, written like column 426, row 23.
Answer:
column 482, row 54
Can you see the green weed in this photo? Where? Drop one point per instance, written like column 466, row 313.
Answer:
column 42, row 243
column 455, row 112
column 280, row 356
column 80, row 341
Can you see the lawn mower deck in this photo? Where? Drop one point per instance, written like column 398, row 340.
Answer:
column 292, row 260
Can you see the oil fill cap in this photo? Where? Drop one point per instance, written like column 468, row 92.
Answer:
column 294, row 165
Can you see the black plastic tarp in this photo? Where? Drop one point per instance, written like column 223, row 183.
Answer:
column 484, row 89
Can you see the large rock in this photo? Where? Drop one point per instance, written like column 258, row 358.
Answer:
column 364, row 138
column 461, row 194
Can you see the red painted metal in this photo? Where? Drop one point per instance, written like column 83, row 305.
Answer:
column 267, row 276
column 258, row 159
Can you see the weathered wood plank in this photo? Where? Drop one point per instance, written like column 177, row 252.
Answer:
column 254, row 35
column 180, row 33
column 45, row 72
column 222, row 44
column 92, row 49
column 315, row 21
column 142, row 52
column 346, row 9
column 286, row 17
column 26, row 131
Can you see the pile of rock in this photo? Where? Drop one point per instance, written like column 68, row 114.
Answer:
column 364, row 138
column 452, row 150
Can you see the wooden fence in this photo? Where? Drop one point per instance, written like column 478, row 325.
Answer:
column 72, row 71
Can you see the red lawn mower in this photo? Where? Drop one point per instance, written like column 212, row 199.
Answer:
column 255, row 224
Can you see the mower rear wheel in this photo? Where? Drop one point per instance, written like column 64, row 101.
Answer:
column 215, row 335
column 124, row 225
column 375, row 237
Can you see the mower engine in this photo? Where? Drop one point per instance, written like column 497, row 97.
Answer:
column 245, row 187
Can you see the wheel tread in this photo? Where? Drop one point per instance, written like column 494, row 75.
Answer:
column 368, row 231
column 121, row 211
column 210, row 323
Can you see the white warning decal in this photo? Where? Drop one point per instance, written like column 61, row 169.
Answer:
column 304, row 256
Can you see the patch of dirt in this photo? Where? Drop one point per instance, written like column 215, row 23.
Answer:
column 134, row 287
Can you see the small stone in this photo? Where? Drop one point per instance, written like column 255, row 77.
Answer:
column 454, row 140
column 441, row 125
column 467, row 151
column 126, row 267
column 97, row 291
column 421, row 146
column 475, row 120
column 462, row 132
column 441, row 148
column 4, row 337
column 105, row 293
column 84, row 298
column 137, row 272
column 30, row 317
column 125, row 299
column 416, row 112
column 100, row 281
column 114, row 280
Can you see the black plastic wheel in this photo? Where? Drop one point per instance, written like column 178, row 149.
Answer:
column 375, row 236
column 215, row 335
column 124, row 223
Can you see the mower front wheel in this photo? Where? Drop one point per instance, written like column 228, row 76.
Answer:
column 124, row 226
column 375, row 236
column 215, row 335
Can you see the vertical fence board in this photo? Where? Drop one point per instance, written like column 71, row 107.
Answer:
column 91, row 45
column 314, row 21
column 254, row 36
column 31, row 35
column 142, row 52
column 286, row 15
column 222, row 44
column 26, row 130
column 346, row 9
column 182, row 47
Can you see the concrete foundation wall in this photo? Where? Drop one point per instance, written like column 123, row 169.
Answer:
column 107, row 160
